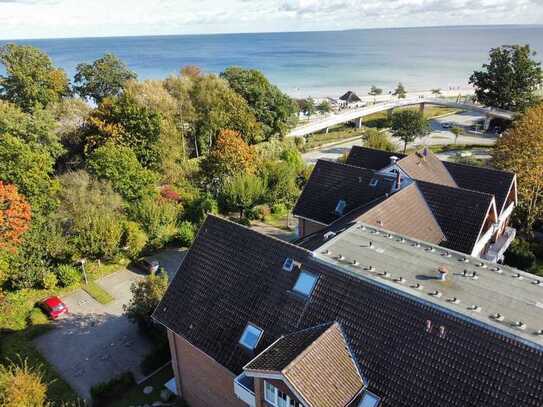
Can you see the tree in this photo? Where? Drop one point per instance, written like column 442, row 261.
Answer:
column 509, row 80
column 15, row 215
column 243, row 191
column 270, row 106
column 280, row 183
column 520, row 150
column 324, row 107
column 378, row 140
column 375, row 91
column 307, row 106
column 229, row 156
column 120, row 166
column 104, row 77
column 408, row 124
column 400, row 91
column 21, row 385
column 457, row 131
column 146, row 295
column 32, row 79
column 124, row 121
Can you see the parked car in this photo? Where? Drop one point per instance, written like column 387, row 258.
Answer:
column 446, row 125
column 53, row 306
column 149, row 266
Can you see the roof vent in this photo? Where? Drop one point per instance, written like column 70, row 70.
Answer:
column 416, row 244
column 539, row 332
column 443, row 271
column 435, row 293
column 464, row 259
column 393, row 159
column 519, row 325
column 328, row 252
column 518, row 275
column 386, row 274
column 401, row 240
column 428, row 325
column 482, row 265
column 356, row 263
column 329, row 235
column 496, row 270
column 400, row 280
column 537, row 282
column 475, row 276
column 497, row 316
column 340, row 207
column 370, row 268
column 475, row 308
column 442, row 331
column 453, row 300
column 446, row 254
column 418, row 286
column 341, row 257
column 288, row 265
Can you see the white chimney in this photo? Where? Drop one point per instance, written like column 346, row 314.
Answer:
column 393, row 159
column 443, row 273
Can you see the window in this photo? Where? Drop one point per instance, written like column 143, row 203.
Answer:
column 369, row 400
column 374, row 182
column 305, row 283
column 340, row 207
column 288, row 265
column 250, row 337
column 282, row 399
column 269, row 393
column 277, row 398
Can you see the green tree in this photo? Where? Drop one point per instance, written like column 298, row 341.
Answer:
column 242, row 192
column 134, row 239
column 31, row 78
column 22, row 385
column 124, row 121
column 104, row 77
column 307, row 106
column 146, row 294
column 400, row 91
column 408, row 124
column 120, row 166
column 378, row 140
column 520, row 150
column 375, row 91
column 272, row 108
column 324, row 107
column 510, row 79
column 280, row 183
column 457, row 131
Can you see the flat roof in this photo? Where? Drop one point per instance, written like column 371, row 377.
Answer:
column 497, row 296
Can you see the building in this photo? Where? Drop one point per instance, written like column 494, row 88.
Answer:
column 456, row 206
column 350, row 316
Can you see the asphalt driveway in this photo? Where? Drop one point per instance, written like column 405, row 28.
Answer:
column 95, row 342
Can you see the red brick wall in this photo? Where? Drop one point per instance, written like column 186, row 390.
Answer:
column 204, row 382
column 306, row 227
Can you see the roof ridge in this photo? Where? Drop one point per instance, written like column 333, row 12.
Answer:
column 477, row 167
column 454, row 188
column 345, row 165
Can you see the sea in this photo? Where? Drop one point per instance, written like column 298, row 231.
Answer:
column 324, row 63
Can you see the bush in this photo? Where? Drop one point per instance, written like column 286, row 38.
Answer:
column 519, row 255
column 103, row 393
column 244, row 222
column 199, row 207
column 21, row 385
column 279, row 209
column 49, row 281
column 186, row 234
column 259, row 212
column 134, row 239
column 68, row 275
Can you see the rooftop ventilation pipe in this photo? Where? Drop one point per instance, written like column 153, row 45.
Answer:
column 443, row 271
column 393, row 159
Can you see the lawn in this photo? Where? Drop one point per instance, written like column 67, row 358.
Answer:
column 135, row 396
column 336, row 133
column 380, row 120
column 97, row 292
column 21, row 322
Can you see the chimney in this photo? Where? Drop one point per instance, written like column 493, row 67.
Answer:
column 443, row 273
column 393, row 159
column 398, row 185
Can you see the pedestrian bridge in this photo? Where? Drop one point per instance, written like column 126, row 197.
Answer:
column 356, row 115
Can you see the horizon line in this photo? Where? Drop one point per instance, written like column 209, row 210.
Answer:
column 273, row 32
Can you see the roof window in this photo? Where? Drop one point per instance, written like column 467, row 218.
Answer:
column 369, row 400
column 305, row 283
column 288, row 265
column 374, row 182
column 250, row 337
column 340, row 207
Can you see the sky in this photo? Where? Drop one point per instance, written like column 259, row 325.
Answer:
column 22, row 19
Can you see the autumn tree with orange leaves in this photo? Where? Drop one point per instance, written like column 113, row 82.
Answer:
column 15, row 216
column 520, row 150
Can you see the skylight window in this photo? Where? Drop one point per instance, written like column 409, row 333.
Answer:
column 369, row 400
column 250, row 337
column 305, row 283
column 288, row 265
column 340, row 207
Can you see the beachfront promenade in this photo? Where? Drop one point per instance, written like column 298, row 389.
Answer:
column 357, row 115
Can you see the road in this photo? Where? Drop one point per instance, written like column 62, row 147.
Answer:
column 96, row 342
column 438, row 136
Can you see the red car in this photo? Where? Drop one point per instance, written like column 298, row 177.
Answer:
column 53, row 307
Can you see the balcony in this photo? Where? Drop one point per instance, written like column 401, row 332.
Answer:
column 497, row 249
column 244, row 389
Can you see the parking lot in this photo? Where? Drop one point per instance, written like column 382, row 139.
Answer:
column 95, row 342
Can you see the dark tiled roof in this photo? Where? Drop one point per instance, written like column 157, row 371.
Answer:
column 370, row 158
column 406, row 213
column 350, row 97
column 331, row 182
column 425, row 166
column 320, row 365
column 233, row 275
column 461, row 213
column 491, row 181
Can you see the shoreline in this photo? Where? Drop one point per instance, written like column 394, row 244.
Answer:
column 362, row 93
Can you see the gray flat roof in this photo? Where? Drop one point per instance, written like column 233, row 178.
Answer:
column 497, row 296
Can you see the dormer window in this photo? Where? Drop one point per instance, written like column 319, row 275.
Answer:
column 288, row 265
column 374, row 182
column 305, row 283
column 340, row 207
column 369, row 400
column 251, row 336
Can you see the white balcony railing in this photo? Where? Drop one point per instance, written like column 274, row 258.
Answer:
column 497, row 249
column 244, row 389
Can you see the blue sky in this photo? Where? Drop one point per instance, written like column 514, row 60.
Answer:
column 76, row 18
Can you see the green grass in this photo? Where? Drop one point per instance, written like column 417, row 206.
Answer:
column 97, row 292
column 135, row 395
column 337, row 133
column 380, row 120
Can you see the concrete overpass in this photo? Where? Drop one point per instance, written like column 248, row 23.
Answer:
column 357, row 115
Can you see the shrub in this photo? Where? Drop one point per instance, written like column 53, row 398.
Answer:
column 146, row 294
column 68, row 275
column 21, row 385
column 103, row 393
column 519, row 255
column 186, row 234
column 279, row 209
column 49, row 281
column 244, row 222
column 198, row 208
column 259, row 212
column 134, row 239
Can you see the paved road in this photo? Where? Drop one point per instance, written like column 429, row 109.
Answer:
column 438, row 136
column 96, row 342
